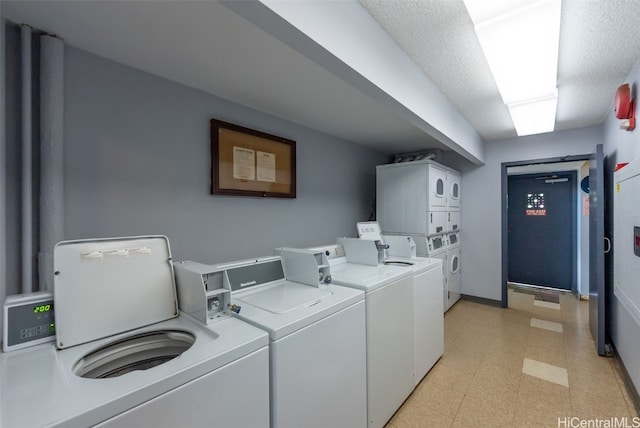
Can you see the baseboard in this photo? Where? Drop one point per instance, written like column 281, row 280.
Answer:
column 482, row 300
column 633, row 392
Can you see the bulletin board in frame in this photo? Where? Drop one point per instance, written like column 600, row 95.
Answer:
column 247, row 162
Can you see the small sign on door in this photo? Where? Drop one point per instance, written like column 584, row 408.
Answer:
column 537, row 212
column 535, row 204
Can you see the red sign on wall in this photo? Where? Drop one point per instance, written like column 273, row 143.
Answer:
column 536, row 212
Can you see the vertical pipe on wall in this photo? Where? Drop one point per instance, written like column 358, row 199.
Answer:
column 51, row 154
column 3, row 169
column 27, row 190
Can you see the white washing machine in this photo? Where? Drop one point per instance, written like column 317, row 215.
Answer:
column 125, row 358
column 390, row 331
column 317, row 338
column 428, row 283
column 428, row 311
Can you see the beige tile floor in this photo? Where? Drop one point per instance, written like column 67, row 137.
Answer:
column 479, row 381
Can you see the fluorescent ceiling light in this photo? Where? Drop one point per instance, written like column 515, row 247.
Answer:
column 534, row 117
column 520, row 40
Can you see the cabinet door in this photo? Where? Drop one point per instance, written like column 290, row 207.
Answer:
column 454, row 221
column 438, row 222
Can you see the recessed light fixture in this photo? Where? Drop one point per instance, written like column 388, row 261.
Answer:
column 520, row 40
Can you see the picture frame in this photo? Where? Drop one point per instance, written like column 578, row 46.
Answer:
column 246, row 162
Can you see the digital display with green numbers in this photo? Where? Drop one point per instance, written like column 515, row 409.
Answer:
column 42, row 308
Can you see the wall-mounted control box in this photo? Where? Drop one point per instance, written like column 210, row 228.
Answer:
column 28, row 320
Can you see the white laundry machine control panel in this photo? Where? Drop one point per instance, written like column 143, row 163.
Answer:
column 436, row 243
column 305, row 266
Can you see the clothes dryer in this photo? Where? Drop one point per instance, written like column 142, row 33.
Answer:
column 317, row 338
column 124, row 356
column 453, row 269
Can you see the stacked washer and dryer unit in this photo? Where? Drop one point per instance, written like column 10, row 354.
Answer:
column 421, row 199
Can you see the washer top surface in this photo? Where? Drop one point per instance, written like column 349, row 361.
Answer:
column 365, row 277
column 419, row 264
column 286, row 297
column 285, row 306
column 39, row 387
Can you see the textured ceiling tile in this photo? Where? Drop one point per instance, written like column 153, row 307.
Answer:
column 599, row 45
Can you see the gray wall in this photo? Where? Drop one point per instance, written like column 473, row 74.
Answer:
column 481, row 213
column 623, row 146
column 137, row 161
column 11, row 169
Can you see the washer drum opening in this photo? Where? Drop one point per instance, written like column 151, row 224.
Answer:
column 138, row 352
column 398, row 263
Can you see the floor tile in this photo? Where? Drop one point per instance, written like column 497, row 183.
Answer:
column 548, row 305
column 487, row 375
column 537, row 397
column 545, row 371
column 481, row 412
column 517, row 316
column 554, row 356
column 541, row 338
column 596, row 405
column 546, row 325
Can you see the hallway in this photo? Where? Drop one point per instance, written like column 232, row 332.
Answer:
column 480, row 381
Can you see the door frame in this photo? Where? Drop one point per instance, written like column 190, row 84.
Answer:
column 504, row 213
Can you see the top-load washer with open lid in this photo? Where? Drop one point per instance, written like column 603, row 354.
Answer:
column 124, row 355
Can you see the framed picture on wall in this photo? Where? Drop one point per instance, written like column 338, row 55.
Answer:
column 247, row 162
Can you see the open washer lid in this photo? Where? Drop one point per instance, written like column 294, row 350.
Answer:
column 104, row 287
column 370, row 230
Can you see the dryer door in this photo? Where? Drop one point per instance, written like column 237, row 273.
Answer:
column 437, row 191
column 455, row 264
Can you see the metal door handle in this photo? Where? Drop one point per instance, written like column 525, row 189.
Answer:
column 607, row 241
